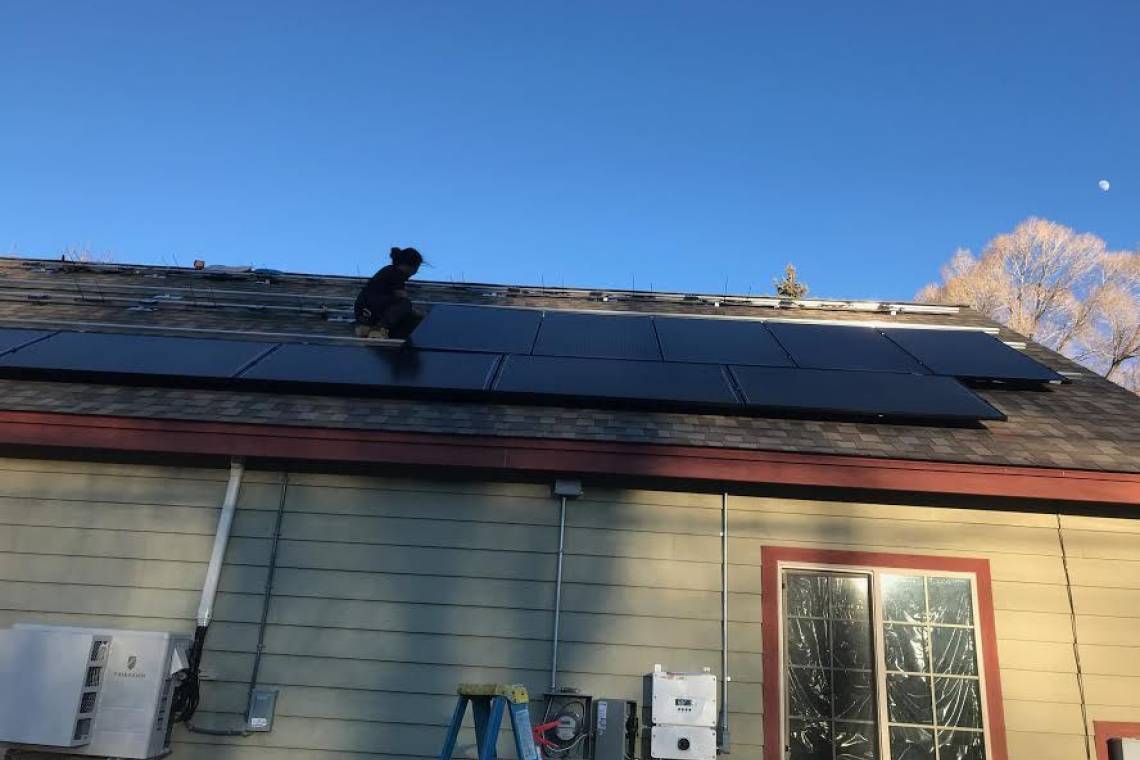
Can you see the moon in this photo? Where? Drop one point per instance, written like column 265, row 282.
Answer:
column 1104, row 185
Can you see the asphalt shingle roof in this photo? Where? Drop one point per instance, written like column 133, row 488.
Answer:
column 1088, row 424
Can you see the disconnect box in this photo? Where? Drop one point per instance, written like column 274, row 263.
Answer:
column 88, row 691
column 681, row 715
column 615, row 729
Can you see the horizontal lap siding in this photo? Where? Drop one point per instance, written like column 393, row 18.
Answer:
column 101, row 544
column 388, row 592
column 123, row 546
column 1034, row 628
column 1104, row 566
column 387, row 595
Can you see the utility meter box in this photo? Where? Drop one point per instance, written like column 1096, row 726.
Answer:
column 125, row 714
column 681, row 715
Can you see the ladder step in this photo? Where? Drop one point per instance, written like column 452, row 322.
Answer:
column 513, row 692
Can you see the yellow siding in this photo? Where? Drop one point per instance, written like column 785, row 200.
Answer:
column 1105, row 572
column 389, row 591
column 1034, row 627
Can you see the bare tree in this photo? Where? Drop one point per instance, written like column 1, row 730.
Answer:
column 1058, row 287
column 1115, row 339
column 789, row 286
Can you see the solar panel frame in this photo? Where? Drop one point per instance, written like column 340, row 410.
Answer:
column 127, row 356
column 719, row 341
column 629, row 381
column 843, row 347
column 374, row 368
column 705, row 386
column 15, row 338
column 858, row 393
column 967, row 353
column 492, row 329
column 597, row 336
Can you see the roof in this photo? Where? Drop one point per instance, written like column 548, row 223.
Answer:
column 1089, row 424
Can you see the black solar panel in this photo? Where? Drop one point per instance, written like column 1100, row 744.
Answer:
column 719, row 341
column 870, row 394
column 116, row 354
column 366, row 366
column 599, row 336
column 10, row 339
column 478, row 328
column 842, row 347
column 970, row 354
column 544, row 376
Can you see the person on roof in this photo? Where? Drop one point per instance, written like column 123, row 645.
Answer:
column 383, row 309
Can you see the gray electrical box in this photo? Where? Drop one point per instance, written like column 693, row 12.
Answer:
column 615, row 729
column 88, row 691
column 262, row 706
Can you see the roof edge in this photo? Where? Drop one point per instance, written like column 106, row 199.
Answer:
column 534, row 456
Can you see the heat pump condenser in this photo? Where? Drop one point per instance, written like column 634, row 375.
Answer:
column 88, row 691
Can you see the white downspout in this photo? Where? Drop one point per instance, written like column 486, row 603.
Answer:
column 185, row 700
column 221, row 540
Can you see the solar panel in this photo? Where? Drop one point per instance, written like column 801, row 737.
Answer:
column 367, row 366
column 719, row 341
column 478, row 328
column 870, row 394
column 119, row 354
column 599, row 336
column 546, row 376
column 970, row 354
column 842, row 347
column 10, row 339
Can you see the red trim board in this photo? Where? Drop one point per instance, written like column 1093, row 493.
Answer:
column 1103, row 730
column 533, row 455
column 771, row 556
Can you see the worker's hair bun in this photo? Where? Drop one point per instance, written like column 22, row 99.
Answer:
column 406, row 256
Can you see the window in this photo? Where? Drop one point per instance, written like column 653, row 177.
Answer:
column 879, row 658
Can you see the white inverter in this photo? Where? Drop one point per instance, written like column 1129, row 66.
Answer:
column 681, row 715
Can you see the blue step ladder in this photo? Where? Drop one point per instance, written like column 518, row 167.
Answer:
column 488, row 703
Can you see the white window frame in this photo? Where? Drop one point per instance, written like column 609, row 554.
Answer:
column 875, row 572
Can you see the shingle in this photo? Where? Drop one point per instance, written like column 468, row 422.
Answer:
column 1089, row 424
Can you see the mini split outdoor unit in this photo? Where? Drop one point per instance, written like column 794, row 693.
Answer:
column 88, row 691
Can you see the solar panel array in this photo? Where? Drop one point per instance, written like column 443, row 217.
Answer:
column 669, row 362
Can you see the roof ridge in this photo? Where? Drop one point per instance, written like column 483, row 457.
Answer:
column 505, row 290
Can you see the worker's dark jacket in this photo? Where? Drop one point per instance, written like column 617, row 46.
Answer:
column 378, row 297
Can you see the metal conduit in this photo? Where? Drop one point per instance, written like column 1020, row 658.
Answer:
column 724, row 736
column 558, row 597
column 267, row 598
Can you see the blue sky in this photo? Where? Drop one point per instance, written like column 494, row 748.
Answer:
column 678, row 145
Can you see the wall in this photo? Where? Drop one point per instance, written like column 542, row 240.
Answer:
column 388, row 592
